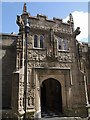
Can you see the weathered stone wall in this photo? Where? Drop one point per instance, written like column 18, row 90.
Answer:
column 42, row 64
column 8, row 67
column 65, row 60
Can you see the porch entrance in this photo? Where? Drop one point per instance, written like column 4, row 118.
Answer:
column 51, row 98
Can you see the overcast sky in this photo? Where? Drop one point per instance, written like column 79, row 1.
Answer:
column 79, row 11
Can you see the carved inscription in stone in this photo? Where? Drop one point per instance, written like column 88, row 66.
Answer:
column 48, row 64
column 37, row 64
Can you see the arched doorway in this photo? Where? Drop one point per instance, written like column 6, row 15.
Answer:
column 51, row 98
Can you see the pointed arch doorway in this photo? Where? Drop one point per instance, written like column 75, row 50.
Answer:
column 51, row 97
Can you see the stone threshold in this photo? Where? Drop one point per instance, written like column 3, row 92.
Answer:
column 64, row 118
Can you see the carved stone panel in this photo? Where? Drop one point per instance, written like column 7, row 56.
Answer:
column 30, row 41
column 30, row 97
column 64, row 57
column 21, row 93
column 38, row 59
column 39, row 64
column 38, row 55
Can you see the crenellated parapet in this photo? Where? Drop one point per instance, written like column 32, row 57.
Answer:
column 42, row 22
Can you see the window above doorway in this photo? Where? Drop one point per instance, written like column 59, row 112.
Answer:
column 38, row 41
column 62, row 44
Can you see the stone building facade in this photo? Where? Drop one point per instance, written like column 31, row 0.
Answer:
column 44, row 68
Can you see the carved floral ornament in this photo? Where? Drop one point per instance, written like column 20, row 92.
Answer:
column 38, row 59
column 65, row 57
column 36, row 55
column 41, row 56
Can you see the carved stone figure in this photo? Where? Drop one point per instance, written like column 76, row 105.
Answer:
column 24, row 8
column 76, row 32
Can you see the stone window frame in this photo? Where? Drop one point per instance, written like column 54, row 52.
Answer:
column 35, row 45
column 38, row 41
column 61, row 42
column 42, row 42
column 65, row 44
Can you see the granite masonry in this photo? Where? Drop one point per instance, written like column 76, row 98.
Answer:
column 45, row 70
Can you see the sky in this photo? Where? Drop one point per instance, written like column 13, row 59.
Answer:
column 60, row 10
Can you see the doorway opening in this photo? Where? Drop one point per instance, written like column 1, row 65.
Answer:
column 51, row 98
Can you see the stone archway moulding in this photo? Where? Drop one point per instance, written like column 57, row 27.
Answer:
column 60, row 79
column 43, row 78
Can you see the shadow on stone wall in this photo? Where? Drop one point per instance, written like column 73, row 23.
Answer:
column 8, row 66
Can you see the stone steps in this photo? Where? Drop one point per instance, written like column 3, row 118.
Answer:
column 55, row 115
column 50, row 114
column 64, row 118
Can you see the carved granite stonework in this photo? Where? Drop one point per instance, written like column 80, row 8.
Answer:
column 19, row 21
column 44, row 73
column 21, row 93
column 64, row 57
column 49, row 64
column 30, row 97
column 39, row 58
column 37, row 55
column 30, row 41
